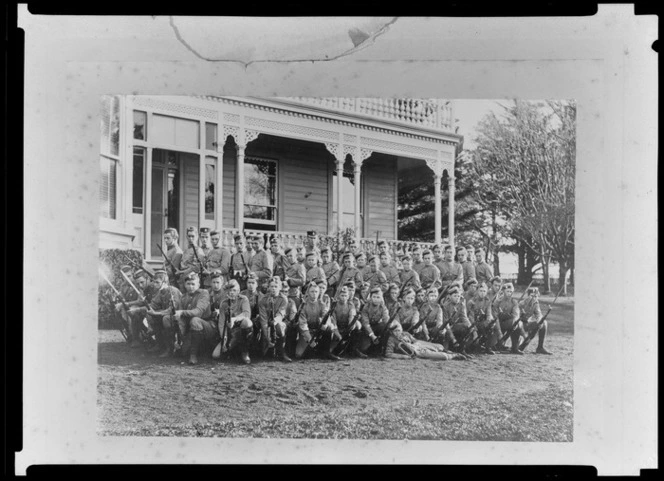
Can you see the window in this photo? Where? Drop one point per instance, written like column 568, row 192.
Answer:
column 107, row 187
column 210, row 136
column 140, row 125
column 173, row 131
column 210, row 180
column 137, row 191
column 347, row 198
column 260, row 191
column 109, row 158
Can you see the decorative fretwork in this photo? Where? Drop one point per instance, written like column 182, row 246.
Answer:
column 233, row 131
column 291, row 128
column 414, row 150
column 350, row 139
column 333, row 148
column 350, row 149
column 250, row 135
column 173, row 108
column 436, row 166
column 364, row 154
column 232, row 118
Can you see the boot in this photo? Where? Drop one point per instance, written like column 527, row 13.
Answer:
column 168, row 343
column 196, row 339
column 515, row 344
column 359, row 353
column 245, row 340
column 281, row 350
column 331, row 356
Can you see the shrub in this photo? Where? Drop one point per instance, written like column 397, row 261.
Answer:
column 110, row 261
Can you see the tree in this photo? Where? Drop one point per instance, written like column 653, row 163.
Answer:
column 525, row 169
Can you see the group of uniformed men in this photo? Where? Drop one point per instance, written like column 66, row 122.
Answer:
column 430, row 304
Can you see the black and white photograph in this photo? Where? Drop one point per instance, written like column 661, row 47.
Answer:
column 303, row 267
column 338, row 240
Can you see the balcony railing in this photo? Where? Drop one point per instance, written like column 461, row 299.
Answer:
column 434, row 114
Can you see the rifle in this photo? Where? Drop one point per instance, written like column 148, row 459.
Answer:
column 198, row 259
column 225, row 338
column 516, row 323
column 403, row 288
column 531, row 336
column 246, row 267
column 178, row 333
column 122, row 299
column 388, row 329
column 141, row 297
column 170, row 263
column 139, row 266
column 315, row 339
column 341, row 278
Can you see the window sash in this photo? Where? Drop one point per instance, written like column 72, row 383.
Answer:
column 108, row 186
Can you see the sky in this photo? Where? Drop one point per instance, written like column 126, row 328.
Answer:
column 470, row 112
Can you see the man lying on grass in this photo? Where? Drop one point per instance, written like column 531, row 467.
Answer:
column 401, row 345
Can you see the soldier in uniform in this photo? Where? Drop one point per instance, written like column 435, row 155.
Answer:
column 173, row 254
column 483, row 271
column 429, row 274
column 349, row 272
column 375, row 277
column 236, row 312
column 190, row 258
column 470, row 289
column 402, row 345
column 388, row 268
column 206, row 246
column 420, row 297
column 279, row 261
column 294, row 276
column 350, row 285
column 432, row 315
column 506, row 308
column 479, row 313
column 437, row 251
column 418, row 261
column 138, row 307
column 314, row 273
column 164, row 303
column 352, row 247
column 254, row 296
column 531, row 314
column 374, row 321
column 261, row 263
column 456, row 317
column 408, row 277
column 364, row 293
column 471, row 256
column 300, row 256
column 272, row 313
column 309, row 320
column 331, row 268
column 409, row 315
column 392, row 299
column 467, row 266
column 193, row 318
column 239, row 263
column 361, row 261
column 217, row 292
column 311, row 244
column 496, row 292
column 218, row 258
column 343, row 320
column 449, row 270
column 322, row 296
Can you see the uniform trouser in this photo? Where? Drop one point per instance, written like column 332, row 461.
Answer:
column 436, row 335
column 490, row 336
column 460, row 330
column 365, row 342
column 531, row 327
column 168, row 324
column 202, row 334
column 241, row 335
column 136, row 316
column 303, row 340
column 279, row 329
column 506, row 325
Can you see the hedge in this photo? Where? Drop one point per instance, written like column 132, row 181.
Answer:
column 110, row 261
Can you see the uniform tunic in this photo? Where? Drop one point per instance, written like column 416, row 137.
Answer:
column 391, row 305
column 508, row 312
column 455, row 314
column 408, row 316
column 272, row 309
column 216, row 299
column 161, row 302
column 254, row 299
column 239, row 263
column 432, row 315
column 418, row 266
column 530, row 313
column 468, row 269
column 429, row 275
column 374, row 318
column 296, row 275
column 391, row 274
column 449, row 272
column 219, row 259
column 331, row 269
column 349, row 274
column 261, row 265
column 377, row 279
column 311, row 315
column 279, row 263
column 342, row 315
column 315, row 273
column 483, row 272
column 411, row 279
column 190, row 263
column 174, row 255
column 479, row 310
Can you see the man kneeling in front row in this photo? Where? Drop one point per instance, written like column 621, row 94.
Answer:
column 235, row 323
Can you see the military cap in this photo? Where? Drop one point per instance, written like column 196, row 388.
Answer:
column 275, row 279
column 191, row 228
column 408, row 290
column 257, row 238
column 495, row 278
column 215, row 232
column 360, row 254
column 348, row 255
column 436, row 247
column 470, row 282
column 171, row 230
column 309, row 254
column 382, row 243
column 252, row 277
column 192, row 276
column 432, row 289
column 204, row 230
column 311, row 233
column 393, row 286
column 427, row 251
column 215, row 274
column 407, row 257
column 326, row 249
column 375, row 290
column 321, row 281
column 456, row 283
column 288, row 251
column 231, row 284
column 366, row 285
column 417, row 248
column 160, row 272
column 140, row 273
column 371, row 258
column 284, row 285
column 309, row 285
column 238, row 238
column 125, row 268
column 420, row 290
column 534, row 290
column 350, row 284
column 453, row 290
column 447, row 247
column 508, row 284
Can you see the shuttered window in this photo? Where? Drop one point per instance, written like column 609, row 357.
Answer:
column 260, row 191
column 109, row 158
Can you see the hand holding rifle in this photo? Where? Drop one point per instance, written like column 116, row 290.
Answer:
column 534, row 332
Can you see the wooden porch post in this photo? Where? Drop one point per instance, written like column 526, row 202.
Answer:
column 340, row 175
column 239, row 197
column 219, row 187
column 357, row 172
column 450, row 215
column 438, row 219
